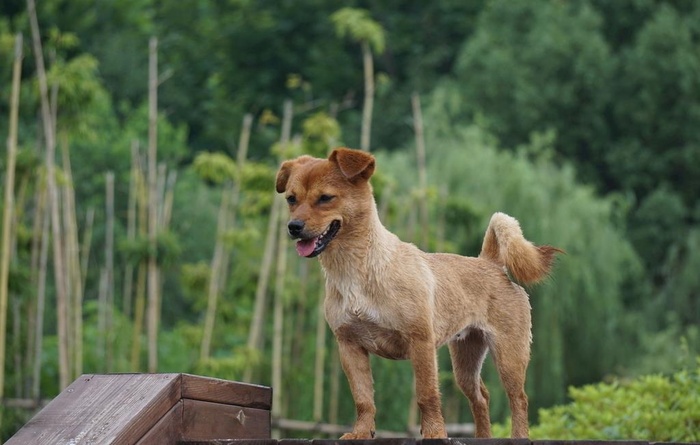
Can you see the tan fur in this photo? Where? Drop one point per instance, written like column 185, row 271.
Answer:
column 387, row 297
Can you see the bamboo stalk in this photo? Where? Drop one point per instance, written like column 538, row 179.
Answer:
column 9, row 204
column 16, row 341
column 368, row 105
column 226, row 218
column 130, row 231
column 41, row 302
column 32, row 310
column 84, row 261
column 59, row 269
column 278, row 316
column 100, row 345
column 334, row 398
column 140, row 303
column 256, row 324
column 153, row 281
column 86, row 244
column 109, row 269
column 423, row 215
column 72, row 251
column 64, row 192
column 422, row 170
column 168, row 199
column 319, row 374
column 215, row 270
column 241, row 156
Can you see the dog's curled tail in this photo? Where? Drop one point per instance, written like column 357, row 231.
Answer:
column 505, row 245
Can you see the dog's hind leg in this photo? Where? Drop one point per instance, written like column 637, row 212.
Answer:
column 511, row 360
column 355, row 362
column 467, row 357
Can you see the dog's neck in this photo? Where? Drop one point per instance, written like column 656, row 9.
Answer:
column 366, row 244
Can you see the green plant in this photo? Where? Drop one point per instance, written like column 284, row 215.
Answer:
column 652, row 407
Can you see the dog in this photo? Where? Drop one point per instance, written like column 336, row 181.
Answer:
column 386, row 297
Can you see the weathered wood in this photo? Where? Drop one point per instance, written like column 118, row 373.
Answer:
column 407, row 441
column 332, row 429
column 223, row 391
column 167, row 430
column 472, row 441
column 149, row 409
column 238, row 442
column 208, row 420
column 102, row 409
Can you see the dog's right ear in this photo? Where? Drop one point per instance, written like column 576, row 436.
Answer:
column 353, row 163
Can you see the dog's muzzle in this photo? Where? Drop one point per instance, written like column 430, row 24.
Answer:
column 295, row 227
column 309, row 244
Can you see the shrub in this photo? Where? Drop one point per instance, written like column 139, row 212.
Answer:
column 653, row 408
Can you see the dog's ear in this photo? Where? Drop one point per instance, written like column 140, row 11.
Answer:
column 283, row 176
column 353, row 163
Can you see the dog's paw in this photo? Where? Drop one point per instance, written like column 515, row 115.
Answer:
column 435, row 433
column 357, row 435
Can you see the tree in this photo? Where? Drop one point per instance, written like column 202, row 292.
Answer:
column 534, row 67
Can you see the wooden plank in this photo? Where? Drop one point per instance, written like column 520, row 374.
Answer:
column 472, row 441
column 208, row 420
column 240, row 442
column 168, row 430
column 589, row 442
column 104, row 409
column 210, row 389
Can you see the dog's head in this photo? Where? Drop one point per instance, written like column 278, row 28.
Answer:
column 325, row 197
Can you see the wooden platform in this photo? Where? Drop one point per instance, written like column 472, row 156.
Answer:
column 400, row 441
column 149, row 409
column 183, row 409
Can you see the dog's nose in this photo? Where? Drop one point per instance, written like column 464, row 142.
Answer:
column 295, row 227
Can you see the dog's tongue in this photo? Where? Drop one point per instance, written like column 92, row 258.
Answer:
column 305, row 247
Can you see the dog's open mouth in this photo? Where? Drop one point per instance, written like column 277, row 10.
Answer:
column 310, row 247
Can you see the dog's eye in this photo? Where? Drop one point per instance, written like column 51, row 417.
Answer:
column 291, row 200
column 325, row 198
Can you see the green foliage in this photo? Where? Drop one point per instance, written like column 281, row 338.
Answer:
column 215, row 167
column 167, row 248
column 359, row 26
column 258, row 177
column 651, row 408
column 195, row 277
column 320, row 133
column 539, row 66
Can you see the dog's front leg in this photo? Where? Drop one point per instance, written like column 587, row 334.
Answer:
column 355, row 361
column 424, row 361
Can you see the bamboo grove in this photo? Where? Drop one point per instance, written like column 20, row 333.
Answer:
column 141, row 231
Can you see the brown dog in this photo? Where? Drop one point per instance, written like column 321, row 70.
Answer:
column 388, row 298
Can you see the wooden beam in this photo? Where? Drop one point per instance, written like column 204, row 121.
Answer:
column 149, row 409
column 103, row 409
column 207, row 420
column 223, row 391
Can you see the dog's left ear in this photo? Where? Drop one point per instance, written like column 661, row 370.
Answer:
column 353, row 163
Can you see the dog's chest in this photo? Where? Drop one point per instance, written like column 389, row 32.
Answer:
column 354, row 300
column 354, row 314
